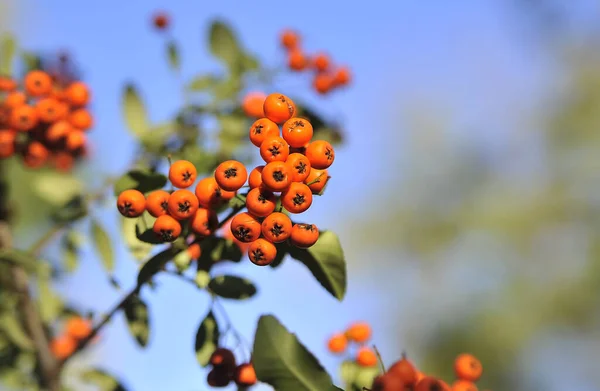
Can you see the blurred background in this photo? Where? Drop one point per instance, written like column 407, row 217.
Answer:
column 466, row 195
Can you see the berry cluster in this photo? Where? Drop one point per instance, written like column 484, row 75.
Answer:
column 403, row 375
column 326, row 77
column 42, row 121
column 358, row 333
column 225, row 370
column 64, row 344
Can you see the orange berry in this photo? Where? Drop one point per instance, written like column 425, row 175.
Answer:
column 297, row 198
column 245, row 227
column 210, row 195
column 304, row 235
column 15, row 99
column 464, row 385
column 131, row 203
column 24, row 118
column 63, row 346
column 261, row 129
column 182, row 174
column 290, row 39
column 36, row 155
column 231, row 175
column 75, row 140
column 38, row 83
column 276, row 176
column 78, row 327
column 337, row 343
column 194, row 251
column 244, row 375
column 406, row 371
column 58, row 130
column 387, row 382
column 300, row 166
column 255, row 178
column 260, row 202
column 279, row 108
column 323, row 83
column 429, row 383
column 366, row 357
column 297, row 61
column 182, row 204
column 320, row 154
column 274, row 149
column 223, row 358
column 341, row 77
column 167, row 228
column 276, row 227
column 261, row 252
column 297, row 132
column 321, row 62
column 316, row 180
column 7, row 84
column 77, row 94
column 359, row 332
column 81, row 119
column 204, row 222
column 63, row 161
column 49, row 110
column 7, row 143
column 157, row 203
column 161, row 21
column 252, row 104
column 468, row 367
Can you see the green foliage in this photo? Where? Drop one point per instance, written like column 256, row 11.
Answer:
column 280, row 359
column 102, row 379
column 232, row 287
column 57, row 189
column 136, row 313
column 356, row 377
column 142, row 180
column 224, row 44
column 103, row 245
column 8, row 49
column 154, row 265
column 18, row 257
column 13, row 330
column 134, row 111
column 173, row 55
column 207, row 339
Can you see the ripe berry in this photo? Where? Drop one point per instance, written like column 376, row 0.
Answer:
column 297, row 198
column 276, row 227
column 320, row 153
column 37, row 83
column 167, row 228
column 245, row 227
column 182, row 204
column 304, row 235
column 261, row 129
column 290, row 39
column 468, row 367
column 244, row 375
column 279, row 108
column 297, row 132
column 131, row 203
column 78, row 327
column 365, row 357
column 63, row 346
column 262, row 252
column 182, row 174
column 204, row 222
column 157, row 203
column 276, row 176
column 252, row 104
column 337, row 343
column 260, row 202
column 359, row 332
column 210, row 195
column 274, row 149
column 231, row 175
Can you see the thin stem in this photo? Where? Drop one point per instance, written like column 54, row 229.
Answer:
column 233, row 212
column 379, row 358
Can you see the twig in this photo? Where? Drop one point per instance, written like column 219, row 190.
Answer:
column 379, row 358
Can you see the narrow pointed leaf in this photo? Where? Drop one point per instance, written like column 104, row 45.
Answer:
column 154, row 265
column 13, row 330
column 103, row 245
column 224, row 44
column 173, row 55
column 141, row 180
column 207, row 339
column 8, row 49
column 134, row 111
column 136, row 313
column 232, row 287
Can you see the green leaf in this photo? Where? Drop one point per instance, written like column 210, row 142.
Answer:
column 325, row 260
column 21, row 258
column 72, row 210
column 250, row 63
column 154, row 265
column 70, row 250
column 57, row 189
column 173, row 55
column 223, row 44
column 227, row 89
column 51, row 306
column 13, row 330
column 138, row 248
column 232, row 287
column 8, row 49
column 142, row 180
column 282, row 361
column 103, row 380
column 103, row 245
column 134, row 111
column 201, row 83
column 155, row 139
column 207, row 339
column 282, row 251
column 238, row 201
column 32, row 61
column 136, row 313
column 182, row 260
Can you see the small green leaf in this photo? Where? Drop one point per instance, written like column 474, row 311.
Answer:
column 134, row 111
column 282, row 361
column 154, row 265
column 73, row 210
column 282, row 251
column 19, row 257
column 70, row 250
column 155, row 139
column 141, row 180
column 8, row 49
column 207, row 339
column 325, row 260
column 51, row 306
column 238, row 201
column 103, row 380
column 348, row 371
column 32, row 61
column 57, row 189
column 173, row 55
column 138, row 248
column 232, row 287
column 136, row 313
column 223, row 44
column 182, row 260
column 201, row 83
column 12, row 328
column 250, row 62
column 103, row 245
column 227, row 89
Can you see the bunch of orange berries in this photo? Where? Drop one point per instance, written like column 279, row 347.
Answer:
column 403, row 375
column 42, row 121
column 65, row 344
column 295, row 169
column 358, row 333
column 225, row 370
column 326, row 76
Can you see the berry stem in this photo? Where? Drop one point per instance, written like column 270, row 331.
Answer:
column 379, row 358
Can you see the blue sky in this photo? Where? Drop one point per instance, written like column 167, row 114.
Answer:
column 461, row 59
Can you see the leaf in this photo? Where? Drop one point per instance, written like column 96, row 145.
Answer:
column 103, row 245
column 141, row 180
column 12, row 328
column 204, row 82
column 72, row 210
column 232, row 287
column 136, row 313
column 207, row 339
column 154, row 265
column 57, row 189
column 51, row 306
column 70, row 250
column 8, row 49
column 282, row 251
column 282, row 361
column 102, row 379
column 31, row 60
column 173, row 55
column 223, row 44
column 138, row 248
column 19, row 257
column 325, row 260
column 155, row 139
column 134, row 111
column 250, row 63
